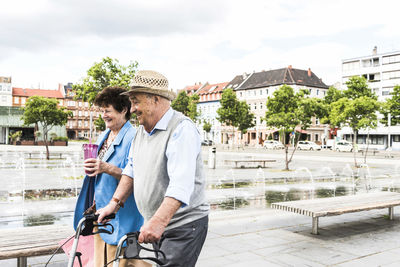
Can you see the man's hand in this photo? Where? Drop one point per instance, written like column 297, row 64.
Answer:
column 152, row 230
column 111, row 208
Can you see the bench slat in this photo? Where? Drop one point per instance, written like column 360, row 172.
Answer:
column 340, row 205
column 32, row 241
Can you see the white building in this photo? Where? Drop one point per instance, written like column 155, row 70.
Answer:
column 5, row 91
column 258, row 86
column 382, row 72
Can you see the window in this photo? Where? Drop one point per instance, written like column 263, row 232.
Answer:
column 3, row 98
column 316, row 137
column 240, row 94
column 255, row 92
column 261, row 105
column 23, row 99
column 396, row 138
column 317, row 91
column 86, row 123
column 1, row 88
column 391, row 75
column 255, row 106
column 351, row 65
column 86, row 104
column 79, row 113
column 260, row 92
column 16, row 99
column 86, row 113
column 80, row 123
column 391, row 59
column 253, row 136
column 316, row 121
column 266, row 91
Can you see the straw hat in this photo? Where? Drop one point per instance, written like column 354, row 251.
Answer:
column 151, row 82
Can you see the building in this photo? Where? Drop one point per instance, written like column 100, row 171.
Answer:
column 258, row 86
column 209, row 102
column 5, row 91
column 192, row 89
column 382, row 72
column 80, row 126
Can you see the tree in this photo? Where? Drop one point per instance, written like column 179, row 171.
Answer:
column 187, row 105
column 287, row 110
column 234, row 113
column 100, row 124
column 207, row 127
column 45, row 112
column 357, row 109
column 102, row 74
column 392, row 107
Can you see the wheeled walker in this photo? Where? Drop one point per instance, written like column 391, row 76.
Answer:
column 85, row 228
column 133, row 248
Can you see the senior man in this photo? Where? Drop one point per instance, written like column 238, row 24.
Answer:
column 165, row 170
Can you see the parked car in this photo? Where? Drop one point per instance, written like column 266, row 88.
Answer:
column 308, row 145
column 344, row 146
column 207, row 143
column 272, row 144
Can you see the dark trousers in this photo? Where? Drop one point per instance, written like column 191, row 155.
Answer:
column 182, row 245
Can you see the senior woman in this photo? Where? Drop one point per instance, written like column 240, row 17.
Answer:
column 113, row 148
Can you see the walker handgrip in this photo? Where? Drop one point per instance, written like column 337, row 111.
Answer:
column 95, row 217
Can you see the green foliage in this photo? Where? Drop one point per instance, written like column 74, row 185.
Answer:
column 358, row 87
column 15, row 136
column 392, row 106
column 61, row 138
column 108, row 72
column 356, row 113
column 44, row 111
column 287, row 110
column 357, row 108
column 193, row 113
column 235, row 113
column 207, row 127
column 187, row 105
column 100, row 124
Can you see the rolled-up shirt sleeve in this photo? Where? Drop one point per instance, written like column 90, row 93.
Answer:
column 182, row 152
column 128, row 170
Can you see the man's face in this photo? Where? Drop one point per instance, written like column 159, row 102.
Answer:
column 143, row 107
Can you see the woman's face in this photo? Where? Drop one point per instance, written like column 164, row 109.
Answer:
column 114, row 120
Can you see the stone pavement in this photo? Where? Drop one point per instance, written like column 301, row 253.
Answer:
column 266, row 237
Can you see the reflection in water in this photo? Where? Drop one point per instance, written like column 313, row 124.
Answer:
column 36, row 220
column 233, row 203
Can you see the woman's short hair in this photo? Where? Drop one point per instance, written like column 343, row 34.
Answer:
column 112, row 96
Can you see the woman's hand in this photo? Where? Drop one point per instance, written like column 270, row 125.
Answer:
column 94, row 166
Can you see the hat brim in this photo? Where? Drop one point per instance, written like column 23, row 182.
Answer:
column 164, row 93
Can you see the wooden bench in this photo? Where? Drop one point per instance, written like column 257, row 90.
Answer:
column 22, row 243
column 260, row 161
column 339, row 205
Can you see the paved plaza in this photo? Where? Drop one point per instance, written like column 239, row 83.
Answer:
column 259, row 236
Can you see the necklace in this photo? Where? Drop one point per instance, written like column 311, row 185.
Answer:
column 110, row 138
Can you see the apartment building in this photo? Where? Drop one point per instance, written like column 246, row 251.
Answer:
column 80, row 126
column 5, row 91
column 209, row 102
column 258, row 86
column 382, row 72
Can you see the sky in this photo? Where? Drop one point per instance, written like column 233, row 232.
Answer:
column 44, row 43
